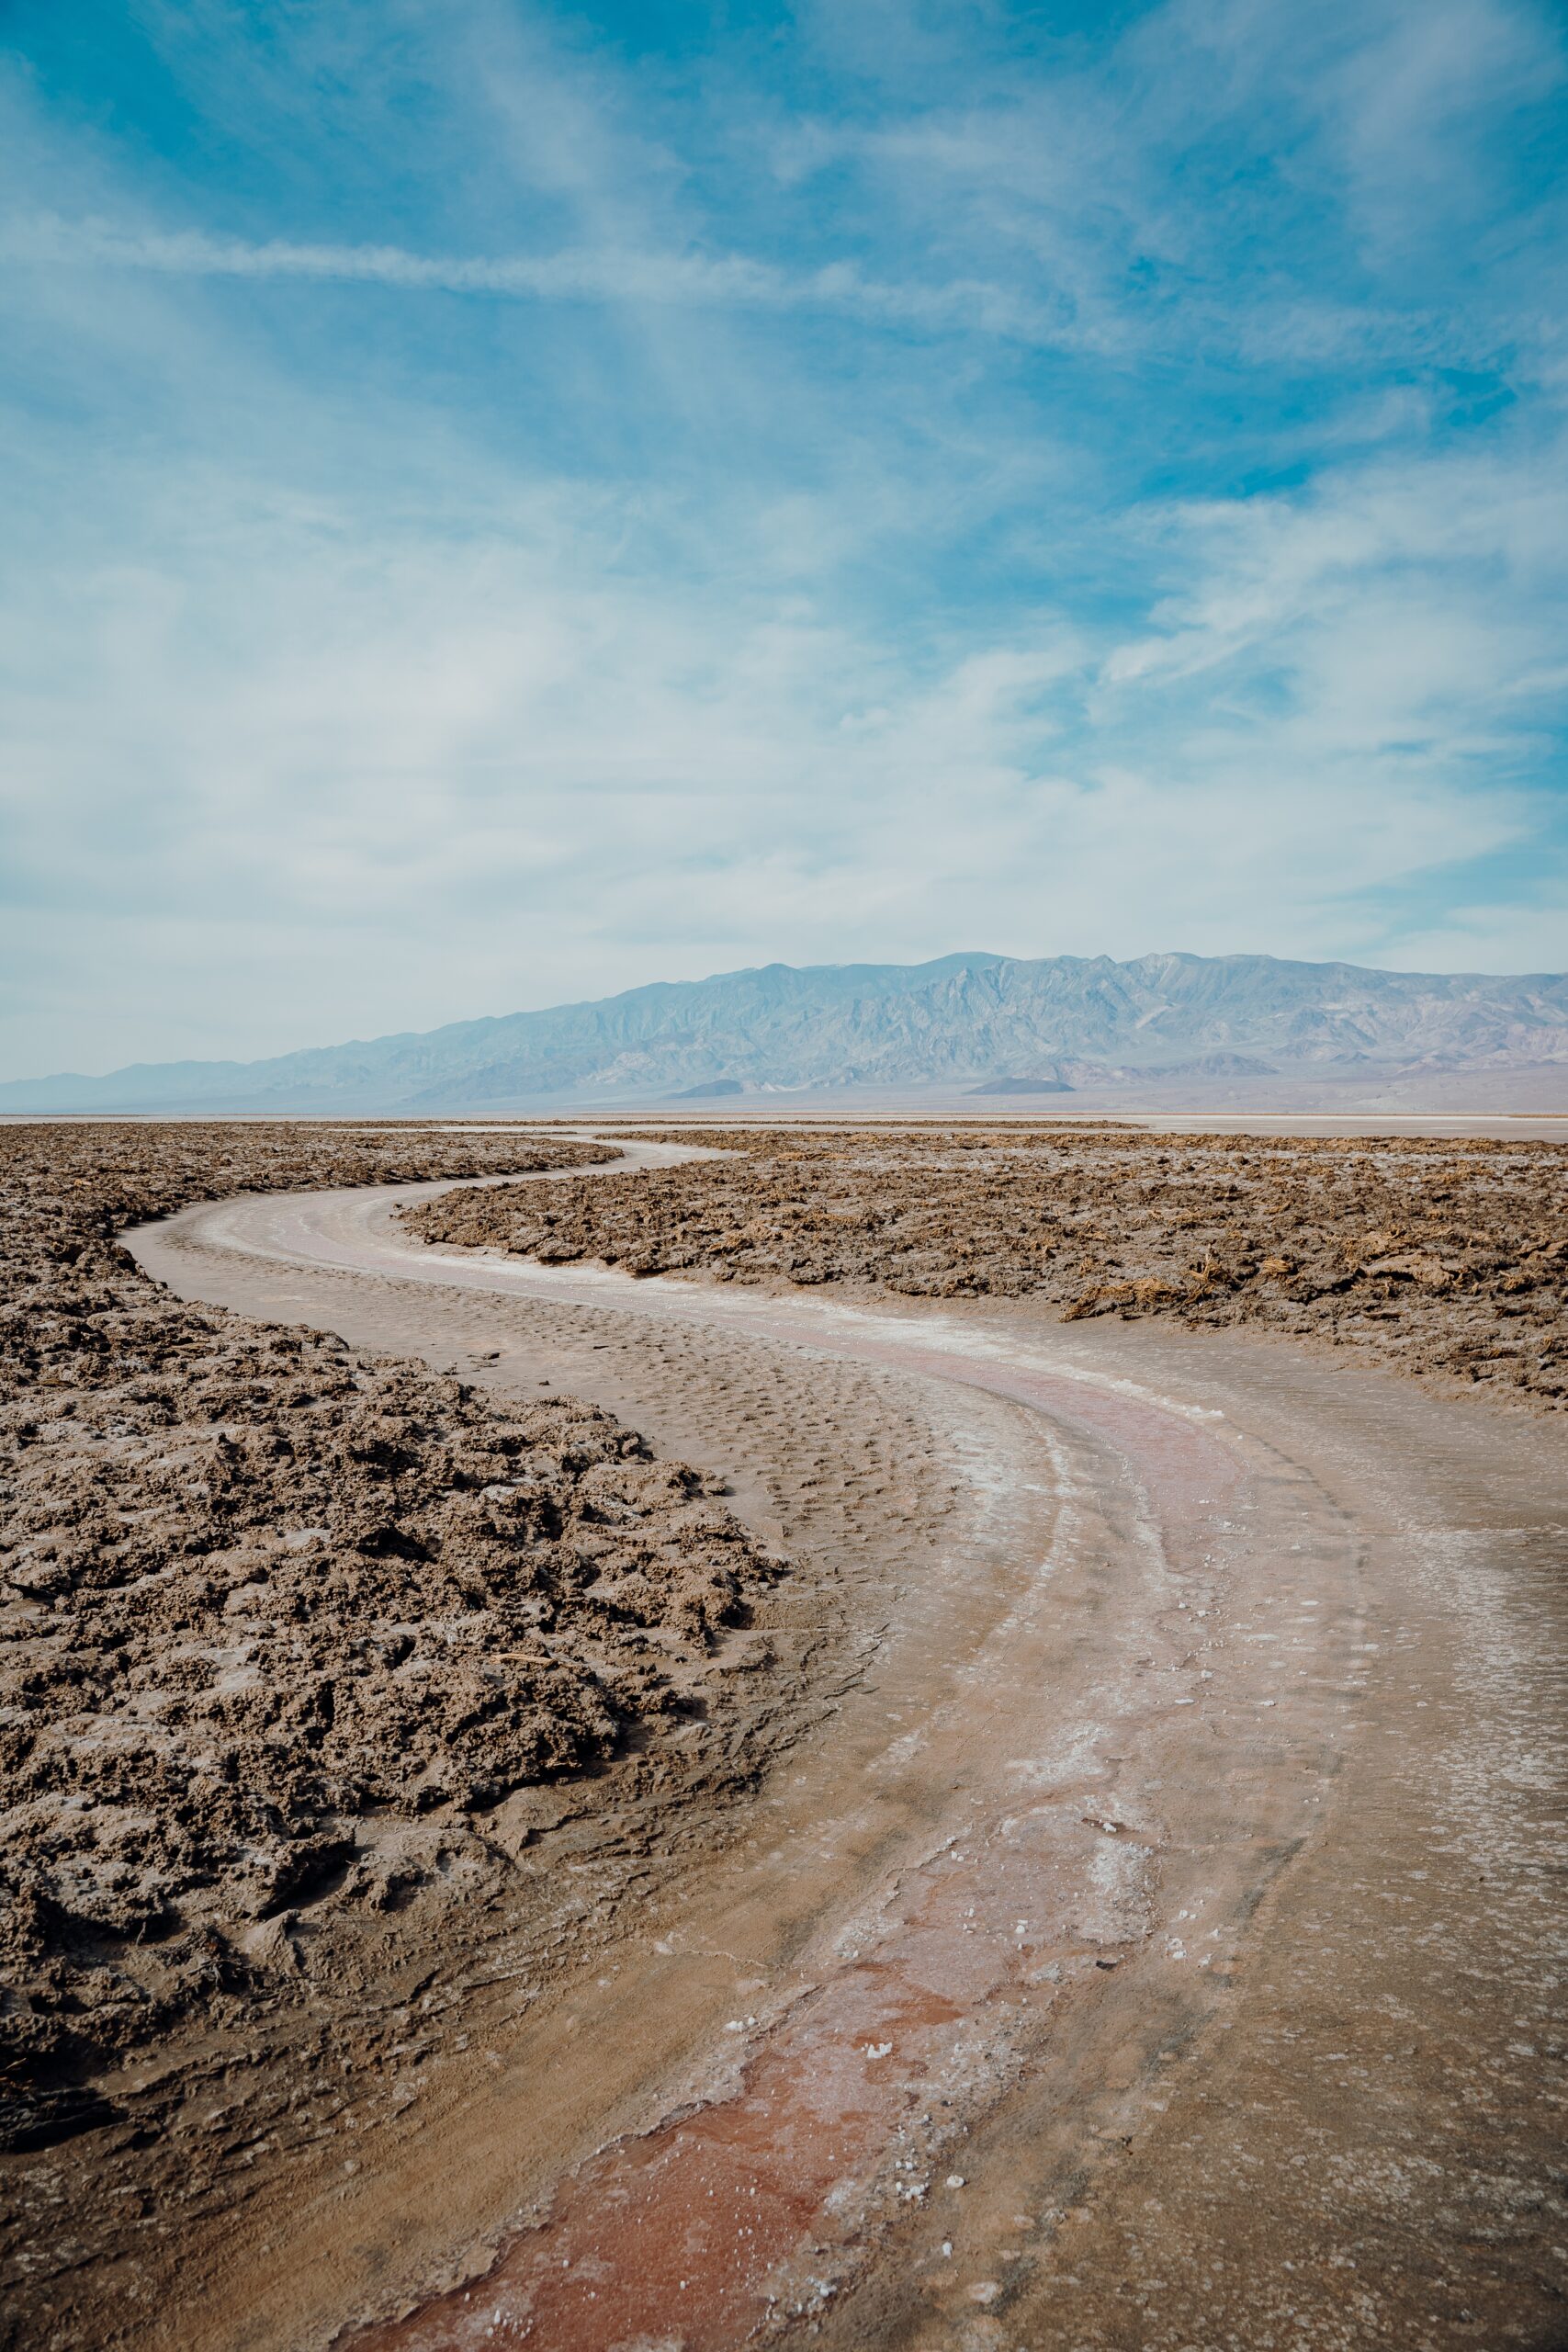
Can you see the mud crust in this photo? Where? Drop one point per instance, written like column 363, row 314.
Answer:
column 1436, row 1256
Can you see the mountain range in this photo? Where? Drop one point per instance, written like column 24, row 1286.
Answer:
column 994, row 1025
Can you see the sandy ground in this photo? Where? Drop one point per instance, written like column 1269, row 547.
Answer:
column 1148, row 1934
column 1448, row 1257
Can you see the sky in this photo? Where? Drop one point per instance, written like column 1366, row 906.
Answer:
column 502, row 502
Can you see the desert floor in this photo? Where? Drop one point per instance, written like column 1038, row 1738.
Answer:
column 1086, row 1871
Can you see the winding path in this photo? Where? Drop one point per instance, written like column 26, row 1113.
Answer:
column 1151, row 1939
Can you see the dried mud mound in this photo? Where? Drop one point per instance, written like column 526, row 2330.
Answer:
column 279, row 1620
column 1438, row 1256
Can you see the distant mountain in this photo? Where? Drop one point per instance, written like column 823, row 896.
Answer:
column 961, row 1021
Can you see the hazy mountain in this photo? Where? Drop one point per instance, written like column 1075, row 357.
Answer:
column 962, row 1021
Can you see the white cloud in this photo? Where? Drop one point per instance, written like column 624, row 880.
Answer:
column 635, row 275
column 1503, row 936
column 1409, row 108
column 1404, row 596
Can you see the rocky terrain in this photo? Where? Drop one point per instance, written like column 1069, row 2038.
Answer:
column 1436, row 1256
column 284, row 1626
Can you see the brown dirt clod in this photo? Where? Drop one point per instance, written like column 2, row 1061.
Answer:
column 279, row 1623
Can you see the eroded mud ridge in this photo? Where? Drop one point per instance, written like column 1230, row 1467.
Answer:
column 1437, row 1255
column 283, row 1624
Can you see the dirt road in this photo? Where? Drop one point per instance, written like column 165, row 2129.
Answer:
column 1151, row 1938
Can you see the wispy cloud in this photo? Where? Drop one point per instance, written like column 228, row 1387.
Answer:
column 628, row 276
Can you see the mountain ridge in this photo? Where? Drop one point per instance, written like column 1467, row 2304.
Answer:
column 958, row 1021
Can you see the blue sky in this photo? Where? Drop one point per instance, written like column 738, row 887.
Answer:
column 504, row 502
